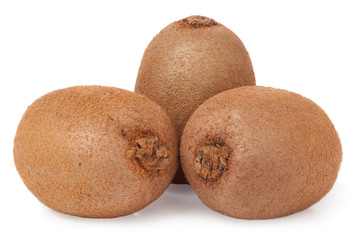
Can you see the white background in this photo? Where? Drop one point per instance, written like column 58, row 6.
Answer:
column 308, row 47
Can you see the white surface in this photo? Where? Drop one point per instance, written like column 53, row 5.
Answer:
column 308, row 47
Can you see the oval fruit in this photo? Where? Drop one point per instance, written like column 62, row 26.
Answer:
column 188, row 62
column 258, row 153
column 95, row 151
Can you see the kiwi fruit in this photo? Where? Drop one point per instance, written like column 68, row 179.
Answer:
column 260, row 153
column 188, row 62
column 96, row 151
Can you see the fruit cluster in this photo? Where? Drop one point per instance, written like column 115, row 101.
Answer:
column 196, row 117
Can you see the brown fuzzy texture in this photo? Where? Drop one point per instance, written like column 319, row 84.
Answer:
column 71, row 150
column 188, row 62
column 285, row 152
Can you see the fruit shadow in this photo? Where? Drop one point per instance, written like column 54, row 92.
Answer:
column 179, row 200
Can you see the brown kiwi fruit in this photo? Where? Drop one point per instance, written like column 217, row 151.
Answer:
column 188, row 62
column 95, row 151
column 259, row 153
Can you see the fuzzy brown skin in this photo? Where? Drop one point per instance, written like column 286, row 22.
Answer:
column 73, row 150
column 188, row 62
column 284, row 153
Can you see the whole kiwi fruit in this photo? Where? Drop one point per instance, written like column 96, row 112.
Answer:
column 259, row 153
column 95, row 151
column 188, row 62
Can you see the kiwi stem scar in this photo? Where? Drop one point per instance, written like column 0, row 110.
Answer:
column 212, row 161
column 147, row 151
column 199, row 21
